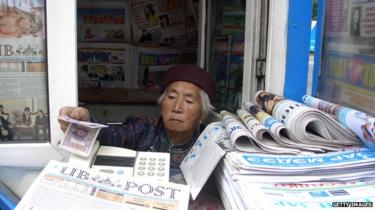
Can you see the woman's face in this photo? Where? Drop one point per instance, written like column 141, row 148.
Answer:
column 40, row 114
column 181, row 108
column 24, row 23
column 147, row 10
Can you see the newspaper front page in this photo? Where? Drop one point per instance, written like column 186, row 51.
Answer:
column 63, row 186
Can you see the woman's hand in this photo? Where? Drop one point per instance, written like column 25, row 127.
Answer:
column 77, row 113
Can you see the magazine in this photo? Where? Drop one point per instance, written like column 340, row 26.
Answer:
column 80, row 136
column 309, row 125
column 64, row 186
column 360, row 123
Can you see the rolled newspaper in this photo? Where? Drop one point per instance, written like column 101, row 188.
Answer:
column 308, row 125
column 281, row 134
column 360, row 123
column 240, row 137
column 263, row 136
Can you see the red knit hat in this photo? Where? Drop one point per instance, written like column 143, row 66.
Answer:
column 189, row 73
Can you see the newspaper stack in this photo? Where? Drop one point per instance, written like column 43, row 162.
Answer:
column 308, row 125
column 360, row 123
column 349, row 164
column 246, row 180
column 245, row 195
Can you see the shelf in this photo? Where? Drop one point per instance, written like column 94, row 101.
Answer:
column 118, row 95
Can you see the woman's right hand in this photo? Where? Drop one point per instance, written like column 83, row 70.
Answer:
column 77, row 113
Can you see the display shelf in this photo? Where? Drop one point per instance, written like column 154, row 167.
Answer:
column 118, row 95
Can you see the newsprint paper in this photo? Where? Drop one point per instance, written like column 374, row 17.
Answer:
column 315, row 195
column 362, row 124
column 202, row 159
column 63, row 186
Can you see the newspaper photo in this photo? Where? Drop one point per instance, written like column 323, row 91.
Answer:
column 360, row 123
column 203, row 157
column 308, row 125
column 64, row 186
column 80, row 136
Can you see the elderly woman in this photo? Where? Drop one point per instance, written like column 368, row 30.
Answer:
column 185, row 103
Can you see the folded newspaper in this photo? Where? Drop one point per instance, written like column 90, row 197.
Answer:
column 315, row 195
column 239, row 135
column 315, row 181
column 349, row 164
column 360, row 123
column 80, row 136
column 203, row 157
column 64, row 186
column 309, row 125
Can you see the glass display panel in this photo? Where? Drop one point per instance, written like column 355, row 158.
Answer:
column 227, row 33
column 348, row 56
column 23, row 71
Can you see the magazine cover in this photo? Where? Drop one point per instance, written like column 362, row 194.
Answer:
column 152, row 62
column 103, row 22
column 164, row 23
